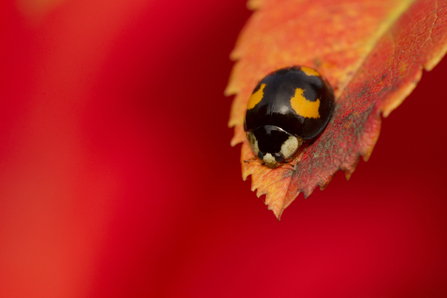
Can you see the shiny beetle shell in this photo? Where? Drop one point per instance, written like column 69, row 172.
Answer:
column 287, row 108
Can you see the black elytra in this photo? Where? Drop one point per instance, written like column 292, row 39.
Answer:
column 294, row 101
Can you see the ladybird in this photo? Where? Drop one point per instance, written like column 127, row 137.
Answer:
column 287, row 108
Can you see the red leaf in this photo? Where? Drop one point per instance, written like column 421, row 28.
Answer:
column 371, row 52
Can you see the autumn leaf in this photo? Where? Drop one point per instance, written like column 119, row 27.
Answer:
column 371, row 52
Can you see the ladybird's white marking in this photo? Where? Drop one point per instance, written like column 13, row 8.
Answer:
column 253, row 143
column 270, row 160
column 290, row 146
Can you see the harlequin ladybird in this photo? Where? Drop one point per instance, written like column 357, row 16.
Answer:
column 287, row 108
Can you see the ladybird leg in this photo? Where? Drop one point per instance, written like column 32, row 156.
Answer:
column 250, row 159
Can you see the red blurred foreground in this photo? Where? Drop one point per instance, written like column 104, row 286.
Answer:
column 117, row 178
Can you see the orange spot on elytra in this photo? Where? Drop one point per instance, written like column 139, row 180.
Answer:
column 310, row 71
column 304, row 107
column 256, row 97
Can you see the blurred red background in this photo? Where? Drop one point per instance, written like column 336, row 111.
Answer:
column 117, row 178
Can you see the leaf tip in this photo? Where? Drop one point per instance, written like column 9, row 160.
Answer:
column 276, row 211
column 230, row 90
column 348, row 174
column 233, row 142
column 436, row 57
column 400, row 96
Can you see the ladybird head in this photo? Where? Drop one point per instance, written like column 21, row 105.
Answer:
column 272, row 144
